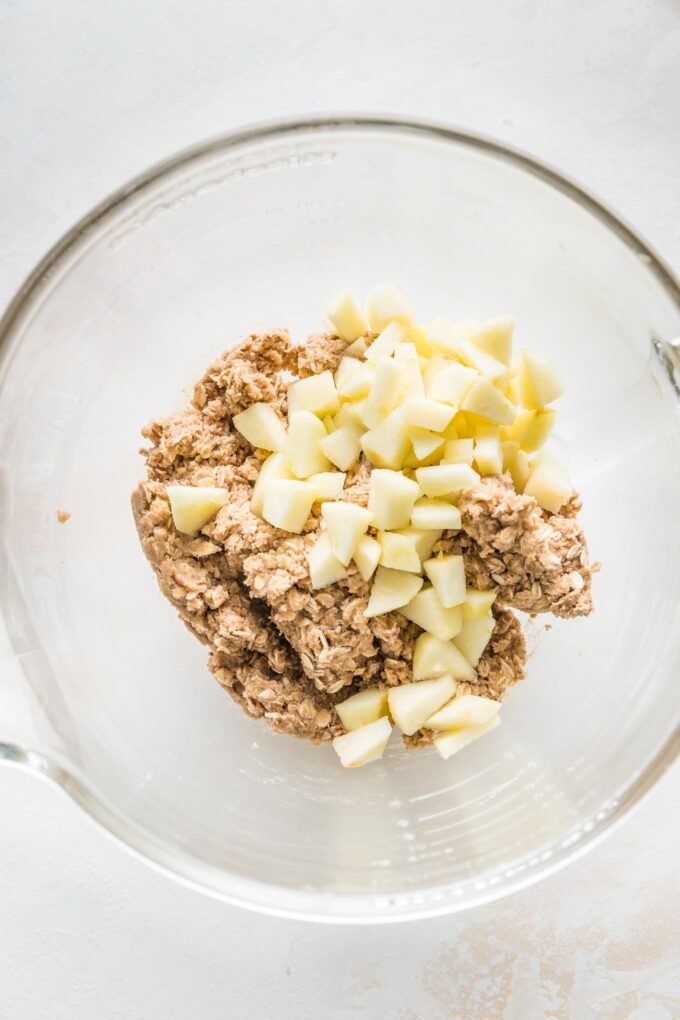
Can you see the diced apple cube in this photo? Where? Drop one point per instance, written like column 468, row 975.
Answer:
column 486, row 400
column 463, row 710
column 364, row 745
column 316, row 394
column 357, row 349
column 447, row 574
column 433, row 514
column 367, row 556
column 548, row 483
column 494, row 337
column 458, row 451
column 432, row 657
column 273, row 469
column 287, row 504
column 328, row 485
column 445, row 479
column 426, row 414
column 463, row 425
column 192, row 506
column 418, row 337
column 474, row 637
column 538, row 429
column 261, row 426
column 362, row 708
column 488, row 454
column 411, row 704
column 387, row 389
column 424, row 540
column 426, row 444
column 388, row 444
column 353, row 383
column 345, row 524
column 537, row 381
column 448, row 381
column 398, row 552
column 345, row 315
column 391, row 496
column 495, row 371
column 386, row 303
column 350, row 417
column 407, row 354
column 517, row 462
column 385, row 343
column 477, row 603
column 447, row 336
column 391, row 590
column 324, row 567
column 427, row 611
column 347, row 367
column 447, row 744
column 305, row 435
column 342, row 448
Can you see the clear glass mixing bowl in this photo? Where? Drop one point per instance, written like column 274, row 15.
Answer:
column 101, row 688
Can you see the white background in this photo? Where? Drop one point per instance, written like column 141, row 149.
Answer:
column 91, row 94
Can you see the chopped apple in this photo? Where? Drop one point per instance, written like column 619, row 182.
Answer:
column 329, row 424
column 426, row 414
column 445, row 479
column 385, row 343
column 463, row 426
column 424, row 540
column 477, row 603
column 345, row 315
column 435, row 514
column 367, row 556
column 391, row 496
column 287, row 504
column 342, row 448
column 432, row 657
column 517, row 462
column 387, row 389
column 316, row 394
column 488, row 453
column 398, row 552
column 305, row 434
column 448, row 381
column 357, row 349
column 474, row 637
column 345, row 524
column 495, row 371
column 347, row 367
column 548, row 483
column 388, row 444
column 537, row 381
column 274, row 469
column 353, row 383
column 386, row 303
column 448, row 336
column 362, row 708
column 447, row 574
column 427, row 611
column 538, row 430
column 192, row 506
column 328, row 484
column 426, row 444
column 494, row 337
column 486, row 400
column 391, row 590
column 447, row 744
column 407, row 354
column 324, row 567
column 418, row 337
column 411, row 704
column 364, row 745
column 261, row 426
column 463, row 710
column 458, row 451
column 350, row 417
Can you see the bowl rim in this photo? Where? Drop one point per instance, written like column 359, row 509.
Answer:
column 269, row 898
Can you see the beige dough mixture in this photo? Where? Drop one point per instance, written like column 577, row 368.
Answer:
column 285, row 652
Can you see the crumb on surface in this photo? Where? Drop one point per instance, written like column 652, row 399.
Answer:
column 63, row 516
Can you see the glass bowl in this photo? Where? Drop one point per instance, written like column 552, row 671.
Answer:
column 104, row 692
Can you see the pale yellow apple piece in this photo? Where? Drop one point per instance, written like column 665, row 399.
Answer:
column 495, row 371
column 367, row 556
column 447, row 744
column 324, row 567
column 328, row 484
column 350, row 416
column 458, row 451
column 386, row 303
column 426, row 414
column 357, row 349
column 329, row 424
column 354, row 383
column 445, row 479
column 388, row 387
column 463, row 426
column 192, row 506
column 477, row 603
column 389, row 443
column 316, row 394
column 538, row 429
column 448, row 381
column 447, row 574
column 494, row 337
column 411, row 704
column 474, row 637
column 342, row 448
column 345, row 524
column 345, row 316
column 548, row 483
column 391, row 590
column 463, row 710
column 418, row 337
column 447, row 336
column 287, row 504
column 391, row 496
column 385, row 343
column 398, row 552
column 275, row 468
column 486, row 400
column 407, row 354
column 362, row 708
column 517, row 462
column 432, row 657
column 424, row 540
column 489, row 455
column 364, row 745
column 427, row 611
column 435, row 514
column 261, row 426
column 305, row 435
column 536, row 381
column 426, row 444
column 347, row 368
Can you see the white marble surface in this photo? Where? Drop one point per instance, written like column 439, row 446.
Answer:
column 90, row 94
